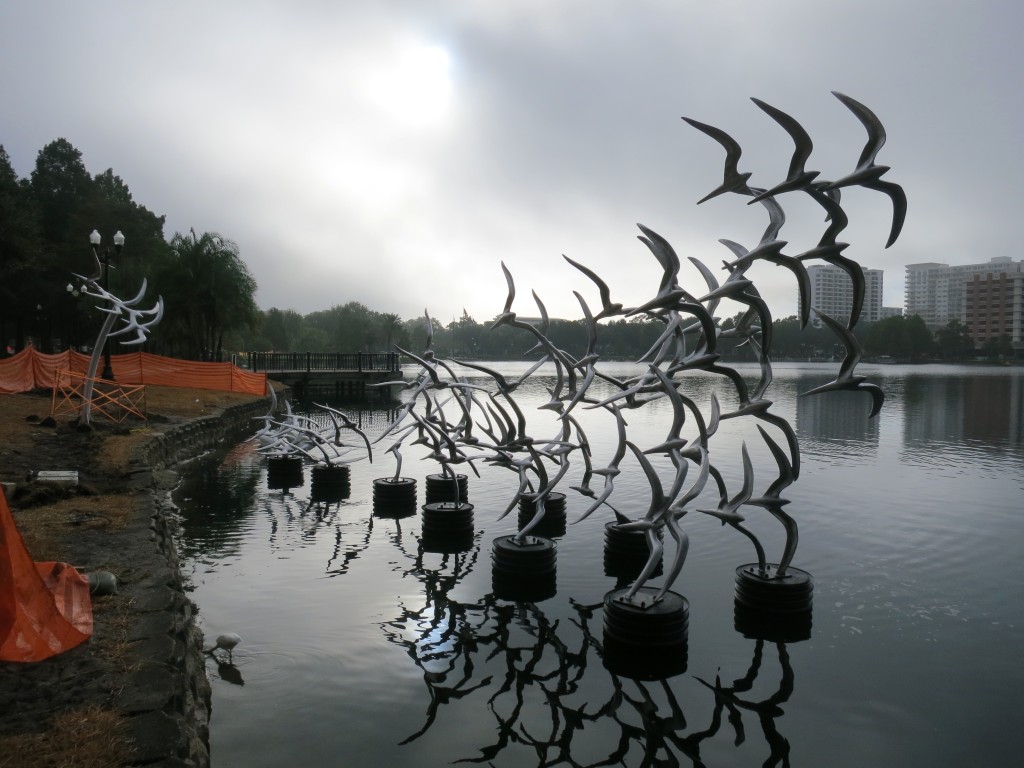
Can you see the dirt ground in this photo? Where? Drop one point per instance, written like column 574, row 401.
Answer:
column 56, row 713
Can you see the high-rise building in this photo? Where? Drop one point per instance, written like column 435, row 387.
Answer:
column 832, row 293
column 937, row 291
column 993, row 303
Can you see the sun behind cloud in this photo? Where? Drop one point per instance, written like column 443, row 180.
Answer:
column 413, row 84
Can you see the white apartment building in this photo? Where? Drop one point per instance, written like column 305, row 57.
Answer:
column 832, row 293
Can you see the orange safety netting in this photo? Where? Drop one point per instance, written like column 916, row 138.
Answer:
column 30, row 370
column 45, row 608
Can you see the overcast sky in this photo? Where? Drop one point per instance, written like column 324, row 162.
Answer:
column 396, row 152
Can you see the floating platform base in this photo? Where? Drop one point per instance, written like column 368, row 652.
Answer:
column 644, row 639
column 284, row 473
column 626, row 552
column 447, row 527
column 772, row 627
column 442, row 488
column 330, row 484
column 394, row 497
column 553, row 522
column 524, row 572
column 767, row 591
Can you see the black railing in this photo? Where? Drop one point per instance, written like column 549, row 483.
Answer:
column 360, row 362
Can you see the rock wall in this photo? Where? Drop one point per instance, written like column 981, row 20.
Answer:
column 167, row 697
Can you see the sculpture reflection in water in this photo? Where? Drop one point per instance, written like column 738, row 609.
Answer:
column 466, row 423
column 531, row 674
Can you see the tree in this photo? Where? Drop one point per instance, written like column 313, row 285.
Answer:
column 391, row 327
column 954, row 341
column 905, row 338
column 208, row 292
column 282, row 328
column 998, row 347
column 24, row 273
column 61, row 185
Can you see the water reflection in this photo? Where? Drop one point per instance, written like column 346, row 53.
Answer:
column 529, row 672
column 229, row 673
column 425, row 664
column 987, row 409
column 214, row 506
column 767, row 710
column 831, row 423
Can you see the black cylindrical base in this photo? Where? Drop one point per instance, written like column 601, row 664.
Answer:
column 553, row 522
column 447, row 526
column 449, row 543
column 394, row 497
column 644, row 639
column 444, row 516
column 626, row 552
column 524, row 572
column 330, row 484
column 770, row 593
column 284, row 472
column 441, row 488
column 772, row 627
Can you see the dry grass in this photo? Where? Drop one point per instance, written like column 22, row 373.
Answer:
column 112, row 612
column 90, row 737
column 165, row 403
column 45, row 528
column 52, row 516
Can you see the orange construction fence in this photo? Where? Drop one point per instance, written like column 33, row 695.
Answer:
column 29, row 369
column 45, row 608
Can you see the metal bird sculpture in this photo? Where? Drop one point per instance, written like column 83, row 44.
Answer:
column 846, row 378
column 868, row 174
column 733, row 180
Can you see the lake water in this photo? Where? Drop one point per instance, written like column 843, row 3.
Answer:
column 362, row 648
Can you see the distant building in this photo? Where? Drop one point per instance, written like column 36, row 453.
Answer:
column 832, row 293
column 993, row 303
column 891, row 312
column 937, row 292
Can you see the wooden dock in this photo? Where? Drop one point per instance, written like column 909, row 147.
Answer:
column 345, row 375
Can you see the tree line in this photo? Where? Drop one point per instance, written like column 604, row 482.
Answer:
column 354, row 327
column 210, row 309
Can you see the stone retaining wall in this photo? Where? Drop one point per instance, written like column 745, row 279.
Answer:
column 167, row 697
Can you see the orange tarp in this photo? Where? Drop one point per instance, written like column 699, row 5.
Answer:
column 45, row 608
column 30, row 370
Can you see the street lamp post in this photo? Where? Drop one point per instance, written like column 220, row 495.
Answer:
column 104, row 256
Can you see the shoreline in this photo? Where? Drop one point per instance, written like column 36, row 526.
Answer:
column 144, row 663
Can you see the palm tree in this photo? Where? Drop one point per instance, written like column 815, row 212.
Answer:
column 208, row 291
column 391, row 324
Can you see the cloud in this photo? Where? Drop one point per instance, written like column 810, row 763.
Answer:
column 393, row 154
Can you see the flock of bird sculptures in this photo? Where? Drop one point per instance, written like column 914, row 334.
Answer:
column 462, row 422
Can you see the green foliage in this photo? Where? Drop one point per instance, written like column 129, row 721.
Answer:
column 20, row 252
column 353, row 327
column 45, row 222
column 998, row 348
column 208, row 292
column 954, row 341
column 900, row 337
